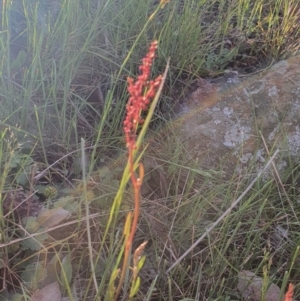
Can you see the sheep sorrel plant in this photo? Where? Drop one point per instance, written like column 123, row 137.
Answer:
column 141, row 93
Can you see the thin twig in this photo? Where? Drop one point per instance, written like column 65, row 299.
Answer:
column 223, row 215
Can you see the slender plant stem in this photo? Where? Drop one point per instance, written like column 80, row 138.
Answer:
column 87, row 213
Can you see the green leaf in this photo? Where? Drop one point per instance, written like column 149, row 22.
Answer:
column 66, row 271
column 66, row 201
column 27, row 161
column 111, row 285
column 15, row 161
column 105, row 172
column 111, row 183
column 103, row 202
column 19, row 61
column 40, row 188
column 72, row 206
column 34, row 243
column 135, row 287
column 20, row 160
column 22, row 179
column 31, row 224
column 141, row 263
column 33, row 274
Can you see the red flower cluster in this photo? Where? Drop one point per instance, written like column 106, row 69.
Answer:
column 289, row 294
column 141, row 93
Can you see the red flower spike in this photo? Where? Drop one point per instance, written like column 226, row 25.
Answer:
column 141, row 93
column 289, row 293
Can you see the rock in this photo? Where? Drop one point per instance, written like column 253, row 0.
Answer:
column 50, row 292
column 250, row 287
column 222, row 120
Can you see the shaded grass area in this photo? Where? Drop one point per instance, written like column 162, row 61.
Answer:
column 64, row 68
column 257, row 235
